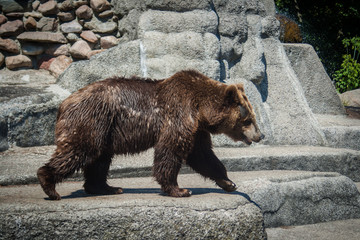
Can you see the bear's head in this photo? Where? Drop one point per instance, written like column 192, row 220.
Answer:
column 238, row 117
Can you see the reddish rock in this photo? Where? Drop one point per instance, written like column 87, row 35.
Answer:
column 2, row 19
column 108, row 42
column 9, row 45
column 89, row 36
column 84, row 12
column 67, row 5
column 15, row 15
column 99, row 5
column 66, row 16
column 44, row 62
column 2, row 59
column 106, row 14
column 30, row 24
column 35, row 5
column 12, row 28
column 59, row 65
column 42, row 37
column 47, row 24
column 48, row 8
column 80, row 49
column 79, row 3
column 18, row 61
column 94, row 52
column 351, row 98
column 36, row 15
column 58, row 49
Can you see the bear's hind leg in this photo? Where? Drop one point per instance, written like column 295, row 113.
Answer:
column 95, row 173
column 47, row 181
column 59, row 167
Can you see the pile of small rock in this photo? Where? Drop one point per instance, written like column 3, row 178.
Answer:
column 50, row 34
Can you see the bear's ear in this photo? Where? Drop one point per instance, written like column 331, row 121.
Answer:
column 232, row 95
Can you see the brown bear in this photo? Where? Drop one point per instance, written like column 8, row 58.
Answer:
column 126, row 116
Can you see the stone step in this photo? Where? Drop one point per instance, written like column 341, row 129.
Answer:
column 19, row 165
column 340, row 131
column 264, row 198
column 334, row 230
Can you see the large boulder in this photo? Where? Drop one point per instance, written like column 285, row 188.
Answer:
column 230, row 41
column 28, row 107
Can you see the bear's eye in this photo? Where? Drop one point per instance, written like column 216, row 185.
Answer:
column 247, row 122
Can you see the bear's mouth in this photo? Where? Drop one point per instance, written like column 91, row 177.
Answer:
column 247, row 141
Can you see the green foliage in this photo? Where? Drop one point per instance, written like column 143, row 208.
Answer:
column 323, row 24
column 348, row 76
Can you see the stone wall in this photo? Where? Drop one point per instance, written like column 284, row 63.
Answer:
column 233, row 41
column 52, row 34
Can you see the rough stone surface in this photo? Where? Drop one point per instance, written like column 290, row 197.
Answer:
column 11, row 28
column 47, row 24
column 18, row 61
column 285, row 198
column 79, row 3
column 58, row 49
column 28, row 108
column 99, row 26
column 48, row 8
column 80, row 49
column 11, row 6
column 346, row 229
column 42, row 37
column 72, row 37
column 99, row 5
column 319, row 91
column 67, row 5
column 66, row 16
column 44, row 62
column 128, row 25
column 3, row 18
column 9, row 45
column 35, row 15
column 125, row 61
column 351, row 98
column 168, row 22
column 108, row 42
column 2, row 59
column 302, row 158
column 90, row 36
column 144, row 213
column 94, row 52
column 340, row 131
column 59, row 65
column 30, row 24
column 71, row 27
column 106, row 14
column 84, row 12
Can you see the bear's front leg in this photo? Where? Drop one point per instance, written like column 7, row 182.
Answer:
column 166, row 169
column 203, row 160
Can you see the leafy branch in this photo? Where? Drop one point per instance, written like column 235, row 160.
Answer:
column 348, row 76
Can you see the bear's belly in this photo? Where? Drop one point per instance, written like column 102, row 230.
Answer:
column 135, row 134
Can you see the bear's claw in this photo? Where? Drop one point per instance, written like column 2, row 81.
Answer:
column 227, row 185
column 181, row 192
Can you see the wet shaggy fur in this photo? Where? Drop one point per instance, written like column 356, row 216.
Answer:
column 126, row 116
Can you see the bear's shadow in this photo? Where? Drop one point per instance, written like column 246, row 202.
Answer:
column 195, row 191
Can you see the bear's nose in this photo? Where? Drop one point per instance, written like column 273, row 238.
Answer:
column 262, row 136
